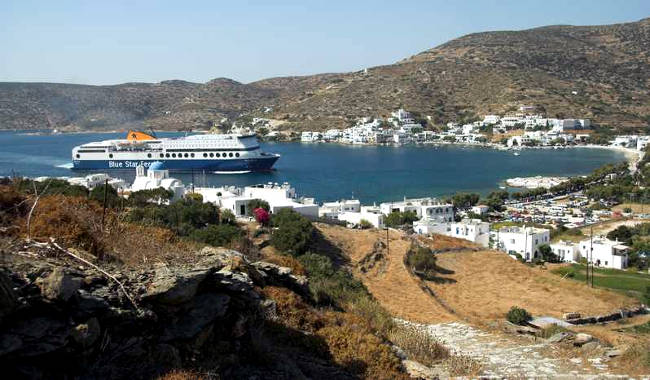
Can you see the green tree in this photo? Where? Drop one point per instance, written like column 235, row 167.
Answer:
column 293, row 232
column 465, row 200
column 518, row 316
column 398, row 218
column 112, row 198
column 258, row 203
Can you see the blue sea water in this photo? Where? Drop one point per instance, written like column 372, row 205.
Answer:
column 329, row 171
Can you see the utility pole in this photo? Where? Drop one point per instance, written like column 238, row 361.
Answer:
column 591, row 253
column 387, row 243
column 104, row 207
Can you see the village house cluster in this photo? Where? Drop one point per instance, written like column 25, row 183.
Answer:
column 432, row 216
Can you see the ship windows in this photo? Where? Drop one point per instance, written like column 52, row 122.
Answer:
column 162, row 155
column 236, row 154
column 192, row 155
column 149, row 155
column 185, row 155
column 78, row 155
column 211, row 155
column 167, row 155
column 173, row 155
column 205, row 155
column 110, row 155
column 218, row 155
column 230, row 154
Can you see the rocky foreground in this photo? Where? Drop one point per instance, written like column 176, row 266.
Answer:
column 62, row 318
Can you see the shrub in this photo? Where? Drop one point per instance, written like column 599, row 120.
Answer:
column 551, row 330
column 518, row 316
column 329, row 285
column 227, row 217
column 258, row 203
column 418, row 345
column 143, row 197
column 112, row 198
column 217, row 235
column 423, row 262
column 261, row 216
column 364, row 224
column 398, row 219
column 293, row 234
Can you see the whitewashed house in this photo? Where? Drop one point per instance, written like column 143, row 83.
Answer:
column 606, row 253
column 371, row 214
column 428, row 208
column 474, row 230
column 522, row 240
column 480, row 209
column 566, row 251
column 157, row 176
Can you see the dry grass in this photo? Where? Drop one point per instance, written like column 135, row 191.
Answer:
column 636, row 207
column 461, row 365
column 348, row 337
column 488, row 283
column 418, row 345
column 395, row 289
column 180, row 374
column 271, row 255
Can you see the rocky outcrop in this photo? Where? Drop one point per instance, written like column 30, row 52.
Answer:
column 60, row 319
column 613, row 316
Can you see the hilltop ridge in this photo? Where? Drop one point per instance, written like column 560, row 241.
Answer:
column 599, row 72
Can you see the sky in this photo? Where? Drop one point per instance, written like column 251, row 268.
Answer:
column 114, row 41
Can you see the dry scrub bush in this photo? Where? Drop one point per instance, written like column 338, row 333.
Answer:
column 76, row 222
column 285, row 261
column 636, row 359
column 348, row 337
column 418, row 345
column 461, row 365
column 181, row 374
column 362, row 353
column 13, row 206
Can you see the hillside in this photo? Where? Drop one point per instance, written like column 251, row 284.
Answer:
column 606, row 66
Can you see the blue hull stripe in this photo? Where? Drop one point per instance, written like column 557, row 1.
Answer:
column 250, row 164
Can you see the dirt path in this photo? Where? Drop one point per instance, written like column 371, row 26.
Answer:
column 390, row 282
column 504, row 357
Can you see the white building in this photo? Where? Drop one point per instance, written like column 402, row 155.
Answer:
column 566, row 251
column 480, row 209
column 282, row 196
column 491, row 119
column 277, row 196
column 332, row 209
column 429, row 208
column 473, row 230
column 308, row 136
column 522, row 240
column 371, row 214
column 606, row 253
column 157, row 176
column 97, row 179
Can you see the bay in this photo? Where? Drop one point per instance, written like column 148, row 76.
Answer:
column 330, row 171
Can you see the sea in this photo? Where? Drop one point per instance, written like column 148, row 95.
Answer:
column 329, row 172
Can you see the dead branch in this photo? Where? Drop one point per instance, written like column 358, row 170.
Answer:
column 29, row 217
column 110, row 276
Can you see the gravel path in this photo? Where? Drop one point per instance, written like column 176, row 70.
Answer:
column 504, row 357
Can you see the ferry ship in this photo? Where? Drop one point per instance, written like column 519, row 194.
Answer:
column 211, row 152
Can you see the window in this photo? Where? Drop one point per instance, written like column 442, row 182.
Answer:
column 110, row 155
column 192, row 155
column 186, row 155
column 236, row 154
column 149, row 155
column 211, row 155
column 205, row 155
column 162, row 155
column 173, row 155
column 218, row 155
column 167, row 155
column 78, row 155
column 230, row 154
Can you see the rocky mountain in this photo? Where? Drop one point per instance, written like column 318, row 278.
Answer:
column 597, row 72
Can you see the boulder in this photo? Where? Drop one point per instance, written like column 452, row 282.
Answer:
column 203, row 310
column 559, row 337
column 581, row 339
column 86, row 334
column 589, row 346
column 613, row 353
column 517, row 329
column 8, row 298
column 172, row 287
column 572, row 315
column 59, row 285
